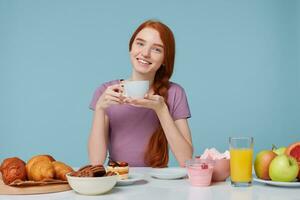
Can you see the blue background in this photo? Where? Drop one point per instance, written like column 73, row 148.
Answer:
column 237, row 60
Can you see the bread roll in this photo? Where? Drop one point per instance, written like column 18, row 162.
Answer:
column 13, row 169
column 61, row 169
column 42, row 170
column 34, row 160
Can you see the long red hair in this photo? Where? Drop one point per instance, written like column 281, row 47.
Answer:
column 157, row 152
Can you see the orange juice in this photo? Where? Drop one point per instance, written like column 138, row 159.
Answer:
column 241, row 164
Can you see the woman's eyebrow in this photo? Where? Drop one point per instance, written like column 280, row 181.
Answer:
column 159, row 45
column 142, row 40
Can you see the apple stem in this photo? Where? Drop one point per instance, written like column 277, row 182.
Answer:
column 274, row 147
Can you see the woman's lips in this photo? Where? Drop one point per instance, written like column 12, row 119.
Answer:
column 143, row 61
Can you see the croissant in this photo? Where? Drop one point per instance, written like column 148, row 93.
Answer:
column 61, row 169
column 42, row 170
column 34, row 160
column 13, row 169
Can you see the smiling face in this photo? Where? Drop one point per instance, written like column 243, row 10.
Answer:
column 147, row 53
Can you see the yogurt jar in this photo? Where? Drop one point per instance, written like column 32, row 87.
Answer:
column 200, row 171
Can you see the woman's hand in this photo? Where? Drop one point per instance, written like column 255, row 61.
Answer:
column 155, row 102
column 111, row 96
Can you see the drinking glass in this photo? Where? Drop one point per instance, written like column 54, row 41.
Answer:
column 241, row 156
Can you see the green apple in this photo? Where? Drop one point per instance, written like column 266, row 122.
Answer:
column 283, row 168
column 262, row 163
column 278, row 151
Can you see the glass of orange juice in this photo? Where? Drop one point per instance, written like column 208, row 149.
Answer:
column 241, row 155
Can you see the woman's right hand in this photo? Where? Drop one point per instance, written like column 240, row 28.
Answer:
column 111, row 96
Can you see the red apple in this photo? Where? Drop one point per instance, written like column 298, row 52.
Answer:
column 262, row 163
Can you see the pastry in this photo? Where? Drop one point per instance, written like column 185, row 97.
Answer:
column 84, row 171
column 35, row 159
column 42, row 170
column 61, row 169
column 13, row 169
column 91, row 171
column 38, row 168
column 121, row 168
column 98, row 170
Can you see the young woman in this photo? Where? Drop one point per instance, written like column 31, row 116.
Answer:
column 140, row 131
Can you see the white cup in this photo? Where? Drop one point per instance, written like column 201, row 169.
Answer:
column 136, row 89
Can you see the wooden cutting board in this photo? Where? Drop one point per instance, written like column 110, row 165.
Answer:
column 5, row 189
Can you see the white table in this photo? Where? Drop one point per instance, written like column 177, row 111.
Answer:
column 175, row 189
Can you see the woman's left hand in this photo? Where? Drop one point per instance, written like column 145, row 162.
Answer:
column 155, row 102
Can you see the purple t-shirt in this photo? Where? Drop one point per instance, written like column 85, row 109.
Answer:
column 130, row 128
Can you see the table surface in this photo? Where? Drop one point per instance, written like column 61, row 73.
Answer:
column 151, row 188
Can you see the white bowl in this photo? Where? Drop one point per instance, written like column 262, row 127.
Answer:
column 92, row 185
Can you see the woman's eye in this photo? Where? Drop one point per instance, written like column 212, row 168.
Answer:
column 140, row 44
column 157, row 50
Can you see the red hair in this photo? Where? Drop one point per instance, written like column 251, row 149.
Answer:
column 157, row 153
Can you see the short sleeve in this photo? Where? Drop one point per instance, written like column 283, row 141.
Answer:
column 178, row 103
column 98, row 92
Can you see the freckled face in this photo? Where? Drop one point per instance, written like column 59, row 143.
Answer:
column 147, row 52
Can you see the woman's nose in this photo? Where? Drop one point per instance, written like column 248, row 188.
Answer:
column 146, row 52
